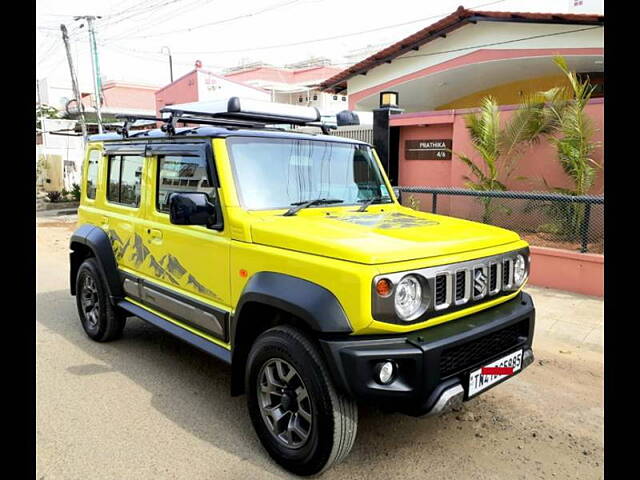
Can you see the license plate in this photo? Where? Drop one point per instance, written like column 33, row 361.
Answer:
column 479, row 382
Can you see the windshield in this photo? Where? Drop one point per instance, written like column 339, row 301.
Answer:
column 274, row 173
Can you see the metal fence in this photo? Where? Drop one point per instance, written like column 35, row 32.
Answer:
column 541, row 218
column 362, row 133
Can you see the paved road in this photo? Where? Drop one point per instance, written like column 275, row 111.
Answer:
column 149, row 406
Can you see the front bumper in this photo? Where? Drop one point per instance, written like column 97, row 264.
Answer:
column 434, row 363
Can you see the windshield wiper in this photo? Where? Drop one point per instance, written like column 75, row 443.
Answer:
column 308, row 203
column 369, row 202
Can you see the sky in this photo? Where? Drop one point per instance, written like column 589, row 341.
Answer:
column 225, row 33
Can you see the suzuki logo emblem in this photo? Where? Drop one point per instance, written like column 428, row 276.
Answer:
column 480, row 281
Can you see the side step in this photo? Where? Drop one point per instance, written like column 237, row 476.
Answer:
column 177, row 331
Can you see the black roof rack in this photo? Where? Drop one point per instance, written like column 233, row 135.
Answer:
column 236, row 112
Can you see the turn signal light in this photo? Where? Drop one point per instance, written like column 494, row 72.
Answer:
column 383, row 287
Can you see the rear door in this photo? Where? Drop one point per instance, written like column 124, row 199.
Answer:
column 183, row 268
column 124, row 203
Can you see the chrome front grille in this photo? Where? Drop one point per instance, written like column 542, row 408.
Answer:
column 462, row 290
column 507, row 273
column 455, row 285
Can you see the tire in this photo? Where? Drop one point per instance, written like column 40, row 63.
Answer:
column 310, row 392
column 101, row 320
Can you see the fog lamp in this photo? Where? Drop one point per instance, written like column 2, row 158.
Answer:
column 385, row 372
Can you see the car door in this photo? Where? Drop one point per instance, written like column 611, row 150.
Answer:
column 123, row 202
column 184, row 267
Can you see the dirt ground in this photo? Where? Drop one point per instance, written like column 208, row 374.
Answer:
column 149, row 406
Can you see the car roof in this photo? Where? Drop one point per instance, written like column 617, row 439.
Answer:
column 219, row 132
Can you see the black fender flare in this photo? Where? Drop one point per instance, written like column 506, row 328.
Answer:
column 94, row 239
column 313, row 304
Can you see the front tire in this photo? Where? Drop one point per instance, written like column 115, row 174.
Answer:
column 101, row 320
column 302, row 421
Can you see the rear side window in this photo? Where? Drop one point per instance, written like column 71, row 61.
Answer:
column 180, row 173
column 92, row 173
column 125, row 176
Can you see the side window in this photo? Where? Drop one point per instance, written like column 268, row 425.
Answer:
column 92, row 173
column 179, row 173
column 125, row 174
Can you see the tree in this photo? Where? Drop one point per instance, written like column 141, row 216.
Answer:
column 571, row 134
column 573, row 131
column 46, row 111
column 499, row 146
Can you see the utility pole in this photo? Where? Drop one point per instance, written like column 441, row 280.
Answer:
column 74, row 82
column 97, row 84
column 44, row 143
column 170, row 61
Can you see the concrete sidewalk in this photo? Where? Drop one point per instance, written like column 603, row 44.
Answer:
column 569, row 317
column 58, row 213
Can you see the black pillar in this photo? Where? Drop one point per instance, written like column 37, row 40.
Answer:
column 386, row 142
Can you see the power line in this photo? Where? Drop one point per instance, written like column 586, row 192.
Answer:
column 154, row 22
column 220, row 22
column 323, row 39
column 470, row 47
column 143, row 9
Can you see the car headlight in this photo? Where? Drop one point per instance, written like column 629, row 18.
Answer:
column 519, row 271
column 408, row 299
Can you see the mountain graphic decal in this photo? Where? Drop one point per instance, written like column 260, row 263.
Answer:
column 385, row 221
column 169, row 268
column 140, row 251
column 113, row 236
column 119, row 249
column 198, row 286
column 172, row 265
column 159, row 271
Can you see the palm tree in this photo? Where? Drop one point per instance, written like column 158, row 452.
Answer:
column 571, row 135
column 499, row 146
column 575, row 130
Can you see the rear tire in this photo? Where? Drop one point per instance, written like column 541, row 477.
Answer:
column 101, row 320
column 286, row 379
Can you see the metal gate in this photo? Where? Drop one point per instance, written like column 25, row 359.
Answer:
column 363, row 133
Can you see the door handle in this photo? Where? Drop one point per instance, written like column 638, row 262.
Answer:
column 155, row 235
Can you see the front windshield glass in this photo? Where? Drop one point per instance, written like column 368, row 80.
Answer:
column 274, row 173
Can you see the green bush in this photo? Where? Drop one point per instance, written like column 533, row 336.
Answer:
column 75, row 191
column 54, row 196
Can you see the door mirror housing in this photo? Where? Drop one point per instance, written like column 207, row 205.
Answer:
column 191, row 208
column 398, row 194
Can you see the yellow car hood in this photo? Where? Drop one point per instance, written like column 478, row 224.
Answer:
column 376, row 237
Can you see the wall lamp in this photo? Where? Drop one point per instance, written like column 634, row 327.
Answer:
column 389, row 99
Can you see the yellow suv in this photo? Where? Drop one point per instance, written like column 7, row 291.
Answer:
column 288, row 256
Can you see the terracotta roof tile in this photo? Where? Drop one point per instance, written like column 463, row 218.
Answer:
column 447, row 24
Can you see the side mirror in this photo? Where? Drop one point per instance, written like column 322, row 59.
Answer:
column 398, row 193
column 192, row 208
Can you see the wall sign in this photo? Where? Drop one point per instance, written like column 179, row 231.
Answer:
column 430, row 149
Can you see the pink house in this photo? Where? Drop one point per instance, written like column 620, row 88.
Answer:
column 303, row 76
column 296, row 86
column 124, row 97
column 441, row 73
column 202, row 85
